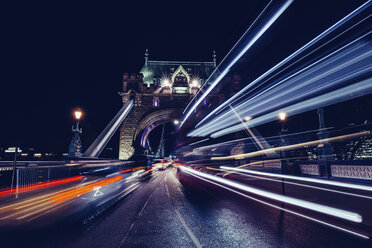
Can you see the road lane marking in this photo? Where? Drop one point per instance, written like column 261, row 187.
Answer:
column 166, row 189
column 144, row 206
column 140, row 214
column 188, row 230
column 130, row 228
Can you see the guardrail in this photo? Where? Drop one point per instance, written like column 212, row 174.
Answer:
column 27, row 178
column 354, row 169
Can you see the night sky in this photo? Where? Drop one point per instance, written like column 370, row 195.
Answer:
column 58, row 56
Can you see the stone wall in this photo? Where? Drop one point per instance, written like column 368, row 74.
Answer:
column 128, row 129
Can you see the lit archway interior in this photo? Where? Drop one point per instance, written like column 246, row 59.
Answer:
column 153, row 120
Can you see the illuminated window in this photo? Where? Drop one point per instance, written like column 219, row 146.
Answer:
column 155, row 102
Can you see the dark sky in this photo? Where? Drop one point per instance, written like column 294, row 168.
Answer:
column 58, row 56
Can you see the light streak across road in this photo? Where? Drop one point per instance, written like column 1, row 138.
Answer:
column 304, row 179
column 336, row 212
column 294, row 146
column 360, row 235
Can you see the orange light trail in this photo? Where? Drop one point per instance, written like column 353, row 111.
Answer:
column 83, row 190
column 42, row 185
column 293, row 147
column 133, row 169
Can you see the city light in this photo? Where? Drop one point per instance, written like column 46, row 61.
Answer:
column 195, row 83
column 248, row 118
column 38, row 155
column 78, row 114
column 176, row 122
column 282, row 116
column 166, row 82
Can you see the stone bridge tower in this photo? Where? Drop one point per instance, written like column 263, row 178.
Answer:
column 160, row 92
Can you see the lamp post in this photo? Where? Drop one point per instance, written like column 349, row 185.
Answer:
column 324, row 148
column 15, row 150
column 75, row 149
column 282, row 117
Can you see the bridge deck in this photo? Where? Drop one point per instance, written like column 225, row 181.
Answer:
column 163, row 213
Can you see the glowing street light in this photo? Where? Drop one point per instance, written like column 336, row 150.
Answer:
column 248, row 118
column 78, row 114
column 75, row 148
column 282, row 116
column 176, row 122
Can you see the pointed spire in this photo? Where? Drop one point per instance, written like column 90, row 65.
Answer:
column 214, row 58
column 146, row 56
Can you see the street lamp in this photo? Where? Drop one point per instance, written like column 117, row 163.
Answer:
column 75, row 148
column 282, row 117
column 176, row 122
column 248, row 118
column 78, row 114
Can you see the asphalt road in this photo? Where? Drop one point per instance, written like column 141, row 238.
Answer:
column 162, row 212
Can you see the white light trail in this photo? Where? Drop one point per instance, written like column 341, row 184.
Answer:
column 290, row 57
column 283, row 209
column 200, row 141
column 340, row 66
column 304, row 179
column 347, row 93
column 240, row 54
column 339, row 213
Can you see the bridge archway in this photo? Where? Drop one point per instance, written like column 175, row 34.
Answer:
column 152, row 121
column 135, row 130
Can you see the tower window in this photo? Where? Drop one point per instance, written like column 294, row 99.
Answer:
column 155, row 102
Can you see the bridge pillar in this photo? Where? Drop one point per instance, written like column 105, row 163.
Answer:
column 128, row 129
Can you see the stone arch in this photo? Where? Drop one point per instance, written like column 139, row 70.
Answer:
column 153, row 120
column 140, row 121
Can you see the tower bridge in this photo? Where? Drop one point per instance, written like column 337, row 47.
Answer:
column 232, row 186
column 160, row 92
